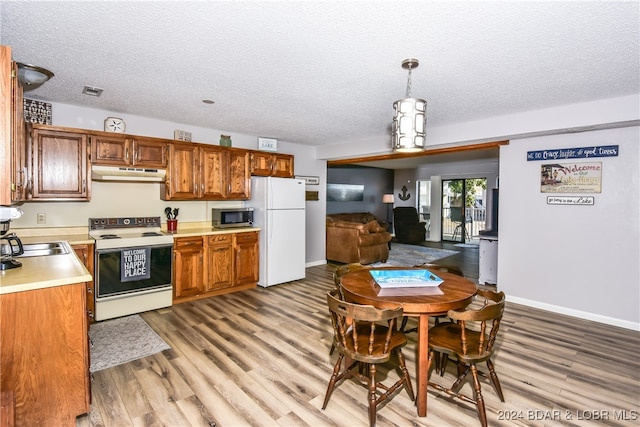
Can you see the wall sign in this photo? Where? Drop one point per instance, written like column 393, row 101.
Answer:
column 571, row 178
column 135, row 264
column 36, row 111
column 570, row 200
column 267, row 144
column 309, row 180
column 574, row 153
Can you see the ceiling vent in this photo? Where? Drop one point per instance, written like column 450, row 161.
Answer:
column 92, row 90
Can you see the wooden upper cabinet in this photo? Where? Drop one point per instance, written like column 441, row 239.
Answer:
column 19, row 172
column 5, row 125
column 213, row 172
column 239, row 181
column 271, row 164
column 60, row 164
column 13, row 153
column 149, row 153
column 183, row 175
column 207, row 172
column 124, row 150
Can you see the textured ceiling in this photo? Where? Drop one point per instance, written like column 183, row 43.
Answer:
column 318, row 72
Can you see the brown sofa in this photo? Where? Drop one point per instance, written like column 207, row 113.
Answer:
column 357, row 237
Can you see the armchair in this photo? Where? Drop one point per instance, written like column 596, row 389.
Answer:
column 407, row 224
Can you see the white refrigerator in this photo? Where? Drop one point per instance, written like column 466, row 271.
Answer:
column 279, row 205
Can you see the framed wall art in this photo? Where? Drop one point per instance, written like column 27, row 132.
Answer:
column 345, row 193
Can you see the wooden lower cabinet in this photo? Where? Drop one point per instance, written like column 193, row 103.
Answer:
column 45, row 354
column 214, row 264
column 188, row 267
column 85, row 253
column 219, row 262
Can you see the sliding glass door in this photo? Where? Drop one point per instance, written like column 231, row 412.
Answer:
column 463, row 209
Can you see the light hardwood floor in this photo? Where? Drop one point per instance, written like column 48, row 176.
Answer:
column 261, row 358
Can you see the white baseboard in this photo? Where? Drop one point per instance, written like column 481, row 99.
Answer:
column 577, row 313
column 314, row 263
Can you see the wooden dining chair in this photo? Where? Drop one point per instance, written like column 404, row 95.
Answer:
column 360, row 336
column 470, row 341
column 337, row 276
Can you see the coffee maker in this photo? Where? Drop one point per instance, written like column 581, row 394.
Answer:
column 13, row 245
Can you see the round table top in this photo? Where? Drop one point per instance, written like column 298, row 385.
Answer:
column 454, row 293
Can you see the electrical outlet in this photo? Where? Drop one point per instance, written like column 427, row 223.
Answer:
column 42, row 218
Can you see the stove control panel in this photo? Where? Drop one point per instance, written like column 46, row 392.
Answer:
column 126, row 222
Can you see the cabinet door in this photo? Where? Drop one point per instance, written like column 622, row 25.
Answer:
column 239, row 187
column 18, row 141
column 183, row 180
column 283, row 165
column 247, row 259
column 111, row 150
column 271, row 164
column 219, row 263
column 85, row 253
column 261, row 164
column 5, row 125
column 187, row 267
column 149, row 154
column 45, row 354
column 60, row 163
column 214, row 172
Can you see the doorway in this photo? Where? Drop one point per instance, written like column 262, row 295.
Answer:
column 463, row 209
column 424, row 204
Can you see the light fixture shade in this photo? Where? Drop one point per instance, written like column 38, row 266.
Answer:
column 409, row 125
column 32, row 76
column 388, row 198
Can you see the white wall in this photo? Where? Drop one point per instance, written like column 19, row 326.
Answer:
column 578, row 260
column 143, row 199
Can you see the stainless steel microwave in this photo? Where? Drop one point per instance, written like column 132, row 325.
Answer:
column 228, row 218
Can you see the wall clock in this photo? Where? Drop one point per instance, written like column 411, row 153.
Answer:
column 114, row 124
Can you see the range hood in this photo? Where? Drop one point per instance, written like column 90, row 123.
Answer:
column 127, row 174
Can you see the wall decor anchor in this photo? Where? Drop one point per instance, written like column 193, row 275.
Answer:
column 404, row 196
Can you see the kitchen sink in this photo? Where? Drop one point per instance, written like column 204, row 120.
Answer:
column 44, row 249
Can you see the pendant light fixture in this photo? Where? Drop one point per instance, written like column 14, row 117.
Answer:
column 409, row 121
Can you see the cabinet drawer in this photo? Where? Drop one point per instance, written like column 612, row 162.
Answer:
column 246, row 237
column 187, row 242
column 218, row 239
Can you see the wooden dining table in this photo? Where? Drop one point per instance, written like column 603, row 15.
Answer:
column 455, row 292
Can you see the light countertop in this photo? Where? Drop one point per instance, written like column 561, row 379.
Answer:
column 59, row 270
column 44, row 272
column 208, row 230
